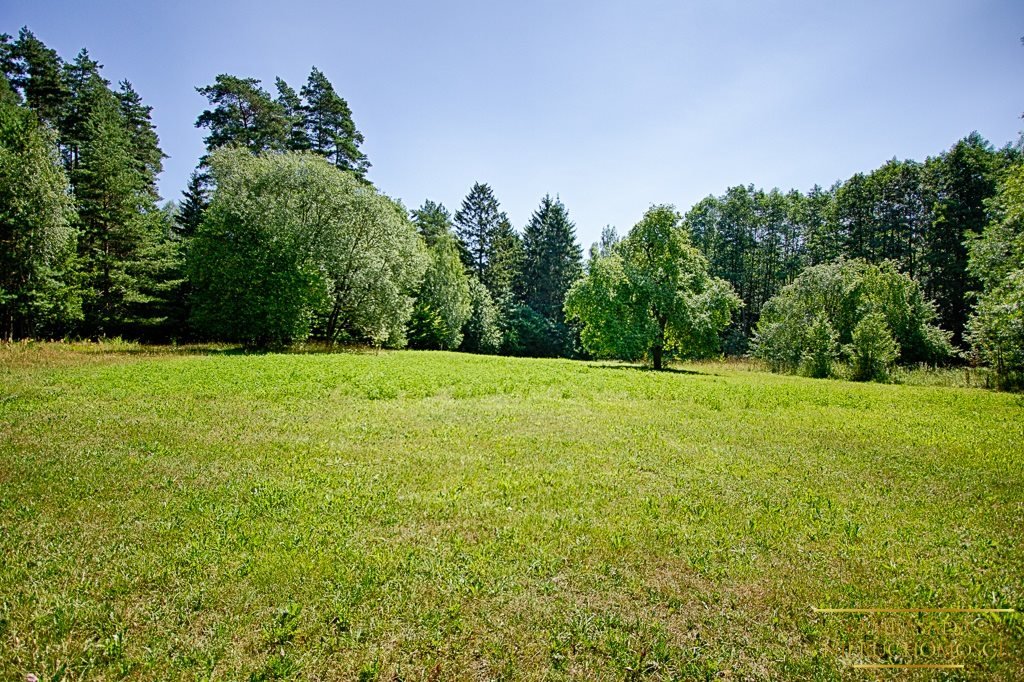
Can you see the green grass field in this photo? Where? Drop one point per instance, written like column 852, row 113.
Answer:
column 198, row 514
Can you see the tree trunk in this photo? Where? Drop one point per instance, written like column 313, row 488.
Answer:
column 659, row 345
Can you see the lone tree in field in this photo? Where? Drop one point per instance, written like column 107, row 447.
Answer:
column 651, row 295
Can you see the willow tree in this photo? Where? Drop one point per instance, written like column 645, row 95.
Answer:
column 651, row 296
column 292, row 246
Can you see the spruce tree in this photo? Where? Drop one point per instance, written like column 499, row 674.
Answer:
column 476, row 222
column 148, row 157
column 195, row 200
column 553, row 260
column 329, row 125
column 504, row 262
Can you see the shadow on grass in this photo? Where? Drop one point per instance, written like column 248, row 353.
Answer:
column 664, row 370
column 201, row 349
column 117, row 348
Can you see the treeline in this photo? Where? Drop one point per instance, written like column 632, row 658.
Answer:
column 86, row 249
column 88, row 252
column 280, row 237
column 916, row 215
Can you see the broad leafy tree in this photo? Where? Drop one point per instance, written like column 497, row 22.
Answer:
column 37, row 238
column 443, row 300
column 843, row 293
column 482, row 332
column 292, row 246
column 653, row 296
column 996, row 260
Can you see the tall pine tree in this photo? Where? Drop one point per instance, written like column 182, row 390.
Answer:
column 329, row 125
column 295, row 112
column 242, row 113
column 432, row 221
column 37, row 73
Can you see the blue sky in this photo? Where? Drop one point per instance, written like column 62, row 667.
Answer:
column 612, row 105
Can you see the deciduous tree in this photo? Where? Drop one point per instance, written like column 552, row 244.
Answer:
column 653, row 296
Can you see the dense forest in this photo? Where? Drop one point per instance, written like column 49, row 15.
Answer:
column 281, row 238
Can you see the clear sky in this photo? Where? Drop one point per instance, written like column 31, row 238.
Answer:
column 612, row 105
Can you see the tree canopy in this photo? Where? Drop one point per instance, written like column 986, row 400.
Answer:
column 652, row 296
column 291, row 246
column 838, row 296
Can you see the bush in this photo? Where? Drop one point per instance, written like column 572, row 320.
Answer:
column 873, row 349
column 482, row 333
column 789, row 338
column 821, row 349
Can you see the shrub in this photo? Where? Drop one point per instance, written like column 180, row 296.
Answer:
column 482, row 333
column 873, row 349
column 843, row 294
column 821, row 349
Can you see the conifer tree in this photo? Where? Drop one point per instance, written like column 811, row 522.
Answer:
column 552, row 259
column 87, row 90
column 195, row 200
column 476, row 222
column 505, row 263
column 148, row 157
column 242, row 113
column 112, row 198
column 432, row 221
column 329, row 125
column 297, row 139
column 962, row 180
column 37, row 73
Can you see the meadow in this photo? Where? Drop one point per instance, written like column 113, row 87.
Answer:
column 201, row 513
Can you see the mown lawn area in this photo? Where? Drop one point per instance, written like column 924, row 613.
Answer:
column 206, row 514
